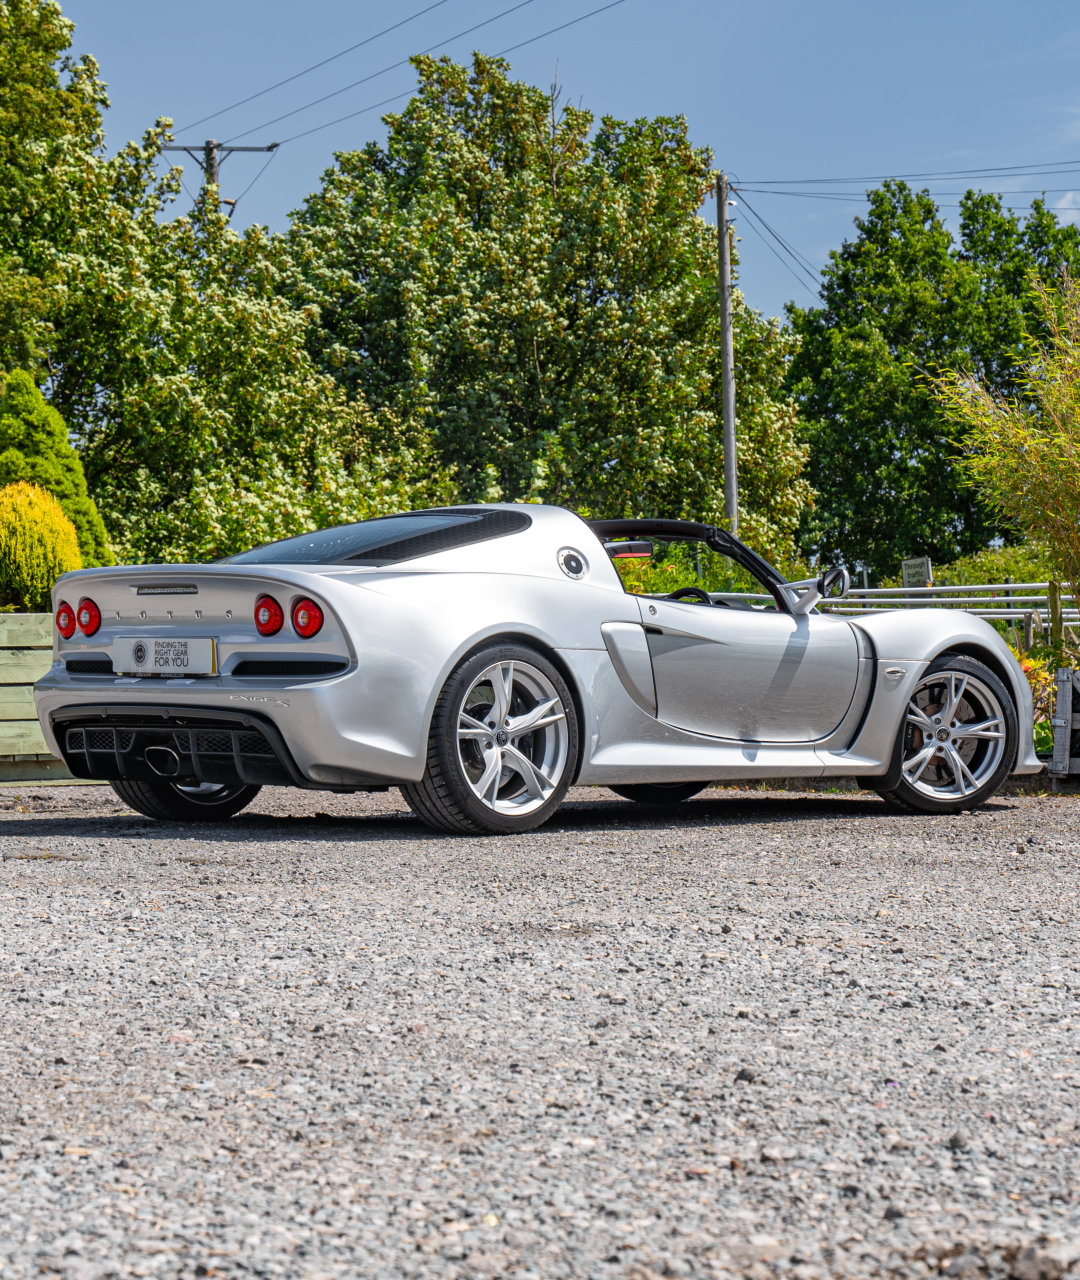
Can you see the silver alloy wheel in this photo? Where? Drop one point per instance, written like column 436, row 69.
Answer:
column 512, row 737
column 955, row 735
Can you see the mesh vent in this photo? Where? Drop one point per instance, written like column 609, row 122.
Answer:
column 287, row 667
column 254, row 744
column 215, row 743
column 75, row 740
column 90, row 666
column 101, row 740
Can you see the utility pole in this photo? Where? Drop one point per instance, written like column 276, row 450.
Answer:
column 727, row 353
column 213, row 154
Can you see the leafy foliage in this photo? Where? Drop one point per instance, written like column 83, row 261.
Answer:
column 899, row 301
column 679, row 564
column 37, row 544
column 202, row 421
column 50, row 124
column 539, row 299
column 1039, row 667
column 1024, row 562
column 1023, row 451
column 207, row 428
column 34, row 447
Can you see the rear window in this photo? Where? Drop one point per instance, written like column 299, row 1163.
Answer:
column 389, row 539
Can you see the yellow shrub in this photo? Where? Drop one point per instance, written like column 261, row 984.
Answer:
column 37, row 544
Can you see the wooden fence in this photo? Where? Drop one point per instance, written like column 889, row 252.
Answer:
column 25, row 656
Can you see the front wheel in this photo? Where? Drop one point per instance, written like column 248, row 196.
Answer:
column 172, row 801
column 659, row 793
column 958, row 739
column 503, row 747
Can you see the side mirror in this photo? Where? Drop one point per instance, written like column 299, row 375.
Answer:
column 641, row 549
column 833, row 578
column 814, row 590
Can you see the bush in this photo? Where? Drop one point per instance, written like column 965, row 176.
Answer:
column 1025, row 562
column 37, row 544
column 34, row 447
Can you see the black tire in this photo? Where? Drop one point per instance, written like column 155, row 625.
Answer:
column 174, row 803
column 527, row 774
column 659, row 793
column 941, row 767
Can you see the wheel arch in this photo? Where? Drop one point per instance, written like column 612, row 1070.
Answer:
column 983, row 655
column 555, row 658
column 992, row 660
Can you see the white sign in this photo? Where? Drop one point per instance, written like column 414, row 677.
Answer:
column 164, row 656
column 917, row 572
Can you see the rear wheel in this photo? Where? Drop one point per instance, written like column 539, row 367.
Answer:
column 503, row 745
column 659, row 793
column 958, row 740
column 173, row 801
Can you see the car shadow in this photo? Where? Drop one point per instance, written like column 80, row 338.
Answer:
column 575, row 817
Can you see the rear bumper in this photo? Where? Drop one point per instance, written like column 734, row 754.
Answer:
column 347, row 733
column 147, row 743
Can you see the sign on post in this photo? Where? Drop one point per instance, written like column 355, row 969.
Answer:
column 916, row 572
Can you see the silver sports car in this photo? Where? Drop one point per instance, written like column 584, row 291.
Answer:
column 483, row 658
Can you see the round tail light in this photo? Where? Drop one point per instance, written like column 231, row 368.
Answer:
column 89, row 616
column 269, row 616
column 307, row 617
column 65, row 620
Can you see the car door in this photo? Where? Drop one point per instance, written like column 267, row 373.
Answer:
column 749, row 674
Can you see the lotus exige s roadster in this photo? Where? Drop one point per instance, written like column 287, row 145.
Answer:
column 483, row 658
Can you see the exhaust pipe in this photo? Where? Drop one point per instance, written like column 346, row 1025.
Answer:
column 163, row 760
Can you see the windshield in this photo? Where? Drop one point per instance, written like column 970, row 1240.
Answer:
column 681, row 565
column 388, row 539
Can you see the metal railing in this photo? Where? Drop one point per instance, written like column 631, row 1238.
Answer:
column 1032, row 603
column 1032, row 607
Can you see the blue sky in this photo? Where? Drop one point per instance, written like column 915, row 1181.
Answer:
column 779, row 90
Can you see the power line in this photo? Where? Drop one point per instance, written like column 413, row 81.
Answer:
column 375, row 74
column 1018, row 170
column 185, row 185
column 562, row 27
column 406, row 93
column 782, row 260
column 269, row 162
column 862, row 195
column 314, row 67
column 803, row 263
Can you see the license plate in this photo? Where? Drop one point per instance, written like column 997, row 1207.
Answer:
column 161, row 656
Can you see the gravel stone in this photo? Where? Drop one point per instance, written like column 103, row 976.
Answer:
column 762, row 1034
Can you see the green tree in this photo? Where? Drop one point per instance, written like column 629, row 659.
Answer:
column 1023, row 451
column 537, row 298
column 205, row 424
column 202, row 422
column 898, row 302
column 34, row 447
column 50, row 125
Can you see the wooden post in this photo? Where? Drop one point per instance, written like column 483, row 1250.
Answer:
column 1053, row 594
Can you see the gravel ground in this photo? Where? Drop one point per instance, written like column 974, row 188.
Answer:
column 768, row 1034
